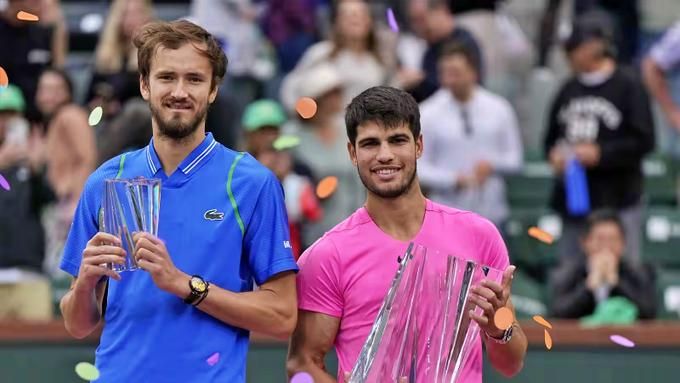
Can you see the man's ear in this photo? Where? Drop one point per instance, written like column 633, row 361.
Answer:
column 419, row 146
column 352, row 153
column 213, row 94
column 144, row 88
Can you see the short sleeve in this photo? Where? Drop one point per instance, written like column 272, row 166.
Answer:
column 318, row 282
column 84, row 226
column 495, row 253
column 666, row 53
column 267, row 238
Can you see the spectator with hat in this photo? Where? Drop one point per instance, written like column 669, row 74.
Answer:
column 323, row 147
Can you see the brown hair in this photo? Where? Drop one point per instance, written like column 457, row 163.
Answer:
column 173, row 35
column 372, row 40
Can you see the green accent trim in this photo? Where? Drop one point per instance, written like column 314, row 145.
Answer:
column 120, row 165
column 231, row 194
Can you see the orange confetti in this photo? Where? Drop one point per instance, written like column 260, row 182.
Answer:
column 540, row 320
column 548, row 340
column 541, row 235
column 503, row 318
column 4, row 80
column 326, row 187
column 25, row 16
column 306, row 107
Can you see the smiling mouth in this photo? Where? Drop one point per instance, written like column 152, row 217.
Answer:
column 177, row 106
column 386, row 172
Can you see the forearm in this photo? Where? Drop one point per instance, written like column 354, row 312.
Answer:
column 656, row 83
column 508, row 359
column 261, row 311
column 80, row 310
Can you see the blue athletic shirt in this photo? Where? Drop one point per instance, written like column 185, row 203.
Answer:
column 151, row 335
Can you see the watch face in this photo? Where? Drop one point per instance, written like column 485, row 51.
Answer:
column 198, row 285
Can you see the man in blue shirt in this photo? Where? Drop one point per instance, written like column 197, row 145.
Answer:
column 222, row 225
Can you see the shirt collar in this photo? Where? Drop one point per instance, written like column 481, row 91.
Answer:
column 190, row 163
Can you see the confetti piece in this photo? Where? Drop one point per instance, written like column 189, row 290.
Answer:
column 302, row 377
column 213, row 359
column 503, row 318
column 548, row 339
column 622, row 341
column 306, row 107
column 540, row 235
column 4, row 80
column 392, row 21
column 326, row 187
column 95, row 116
column 540, row 320
column 3, row 183
column 25, row 16
column 87, row 371
column 286, row 142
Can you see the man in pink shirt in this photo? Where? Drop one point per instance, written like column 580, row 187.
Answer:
column 346, row 274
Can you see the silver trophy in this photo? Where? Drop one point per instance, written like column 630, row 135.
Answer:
column 130, row 206
column 423, row 332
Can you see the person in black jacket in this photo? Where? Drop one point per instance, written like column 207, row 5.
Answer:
column 578, row 287
column 602, row 117
column 440, row 30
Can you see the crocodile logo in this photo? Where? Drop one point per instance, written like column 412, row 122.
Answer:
column 213, row 215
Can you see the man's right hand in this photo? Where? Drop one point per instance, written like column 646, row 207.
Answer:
column 674, row 118
column 101, row 250
column 557, row 159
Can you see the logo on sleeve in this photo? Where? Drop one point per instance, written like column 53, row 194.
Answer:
column 213, row 215
column 286, row 245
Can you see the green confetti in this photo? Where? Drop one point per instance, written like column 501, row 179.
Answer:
column 286, row 142
column 87, row 371
column 95, row 116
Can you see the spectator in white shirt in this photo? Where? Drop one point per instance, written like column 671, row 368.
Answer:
column 661, row 70
column 471, row 140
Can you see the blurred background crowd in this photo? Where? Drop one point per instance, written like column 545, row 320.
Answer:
column 559, row 114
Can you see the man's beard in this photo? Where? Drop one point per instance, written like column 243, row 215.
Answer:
column 174, row 128
column 390, row 193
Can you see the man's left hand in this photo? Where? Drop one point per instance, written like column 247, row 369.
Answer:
column 587, row 154
column 152, row 255
column 483, row 169
column 491, row 296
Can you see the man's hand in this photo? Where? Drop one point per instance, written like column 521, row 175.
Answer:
column 464, row 181
column 587, row 154
column 557, row 159
column 408, row 78
column 11, row 154
column 101, row 250
column 483, row 169
column 491, row 296
column 674, row 118
column 152, row 255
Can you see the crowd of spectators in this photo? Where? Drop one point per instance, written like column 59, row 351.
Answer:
column 470, row 64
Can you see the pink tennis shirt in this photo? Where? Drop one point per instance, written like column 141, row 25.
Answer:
column 347, row 273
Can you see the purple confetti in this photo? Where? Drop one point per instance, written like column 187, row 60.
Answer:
column 622, row 341
column 3, row 183
column 213, row 359
column 302, row 377
column 392, row 21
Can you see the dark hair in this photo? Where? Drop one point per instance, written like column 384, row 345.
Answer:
column 455, row 48
column 604, row 216
column 64, row 77
column 384, row 105
column 173, row 35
